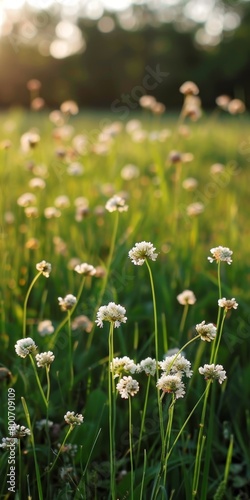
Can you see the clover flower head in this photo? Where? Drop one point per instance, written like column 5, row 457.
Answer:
column 127, row 386
column 18, row 431
column 148, row 365
column 25, row 346
column 44, row 268
column 207, row 331
column 73, row 418
column 142, row 251
column 44, row 359
column 120, row 365
column 213, row 372
column 8, row 442
column 45, row 327
column 86, row 269
column 171, row 384
column 114, row 313
column 83, row 323
column 186, row 297
column 221, row 254
column 116, row 203
column 228, row 303
column 176, row 364
column 67, row 302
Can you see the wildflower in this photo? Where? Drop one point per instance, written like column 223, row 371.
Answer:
column 83, row 323
column 222, row 101
column 73, row 418
column 127, row 386
column 25, row 346
column 148, row 365
column 142, row 251
column 26, row 199
column 43, row 423
column 18, row 431
column 85, row 268
column 37, row 182
column 113, row 313
column 116, row 203
column 221, row 254
column 37, row 103
column 29, row 140
column 189, row 88
column 45, row 328
column 8, row 442
column 75, row 169
column 69, row 108
column 129, row 172
column 147, row 101
column 120, row 365
column 236, row 106
column 176, row 365
column 190, row 183
column 31, row 212
column 195, row 208
column 44, row 267
column 33, row 84
column 51, row 212
column 228, row 303
column 213, row 372
column 62, row 202
column 217, row 168
column 186, row 297
column 207, row 331
column 44, row 359
column 171, row 384
column 67, row 303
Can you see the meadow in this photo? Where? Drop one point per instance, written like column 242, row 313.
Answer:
column 86, row 189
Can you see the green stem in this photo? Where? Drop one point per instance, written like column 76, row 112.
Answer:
column 167, row 436
column 38, row 477
column 131, row 450
column 71, row 370
column 61, row 448
column 143, row 474
column 38, row 381
column 217, row 342
column 218, row 315
column 143, row 420
column 111, row 393
column 26, row 302
column 184, row 317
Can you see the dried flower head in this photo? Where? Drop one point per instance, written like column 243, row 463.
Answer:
column 207, row 331
column 44, row 359
column 228, row 303
column 44, row 268
column 114, row 313
column 25, row 346
column 86, row 269
column 213, row 372
column 171, row 384
column 116, row 203
column 120, row 365
column 127, row 386
column 73, row 418
column 148, row 365
column 221, row 254
column 45, row 327
column 142, row 251
column 174, row 364
column 186, row 297
column 67, row 302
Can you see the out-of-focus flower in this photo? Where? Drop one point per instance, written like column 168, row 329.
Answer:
column 116, row 203
column 29, row 140
column 221, row 254
column 32, row 244
column 236, row 106
column 207, row 331
column 82, row 323
column 31, row 212
column 189, row 87
column 43, row 423
column 114, row 313
column 222, row 101
column 25, row 346
column 37, row 104
column 213, row 372
column 142, row 251
column 195, row 208
column 45, row 327
column 33, row 84
column 67, row 302
column 62, row 201
column 86, row 269
column 147, row 101
column 44, row 268
column 8, row 442
column 73, row 418
column 228, row 303
column 52, row 213
column 190, row 183
column 75, row 169
column 44, row 359
column 26, row 200
column 37, row 183
column 217, row 168
column 148, row 365
column 129, row 172
column 69, row 108
column 186, row 297
column 171, row 384
column 127, row 386
column 56, row 117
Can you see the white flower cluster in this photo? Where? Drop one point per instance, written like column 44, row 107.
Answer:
column 186, row 297
column 221, row 254
column 207, row 331
column 44, row 268
column 18, row 431
column 174, row 368
column 228, row 303
column 67, row 302
column 116, row 203
column 142, row 251
column 44, row 359
column 73, row 418
column 120, row 365
column 86, row 269
column 213, row 372
column 127, row 386
column 25, row 346
column 114, row 313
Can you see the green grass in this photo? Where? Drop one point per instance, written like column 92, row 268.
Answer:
column 157, row 213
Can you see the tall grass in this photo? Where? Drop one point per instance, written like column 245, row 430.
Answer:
column 154, row 445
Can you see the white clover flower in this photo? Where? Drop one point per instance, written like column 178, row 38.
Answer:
column 8, row 442
column 44, row 268
column 26, row 200
column 195, row 208
column 51, row 212
column 73, row 418
column 120, row 365
column 176, row 364
column 82, row 322
column 130, row 172
column 213, row 372
column 25, row 346
column 86, row 269
column 142, row 251
column 45, row 327
column 44, row 359
column 67, row 302
column 221, row 254
column 148, row 365
column 228, row 303
column 171, row 384
column 207, row 331
column 18, row 431
column 37, row 182
column 113, row 313
column 186, row 297
column 127, row 386
column 31, row 212
column 62, row 201
column 116, row 203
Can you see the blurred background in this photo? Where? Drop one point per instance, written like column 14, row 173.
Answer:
column 103, row 53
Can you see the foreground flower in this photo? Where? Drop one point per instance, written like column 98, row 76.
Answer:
column 114, row 313
column 213, row 372
column 171, row 384
column 127, row 387
column 116, row 203
column 186, row 297
column 120, row 365
column 176, row 364
column 207, row 331
column 228, row 303
column 73, row 418
column 18, row 431
column 148, row 365
column 44, row 268
column 25, row 346
column 44, row 359
column 221, row 254
column 86, row 269
column 142, row 251
column 67, row 303
column 45, row 327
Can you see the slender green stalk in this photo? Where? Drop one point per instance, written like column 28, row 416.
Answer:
column 167, row 436
column 38, row 381
column 71, row 427
column 183, row 318
column 26, row 302
column 71, row 369
column 215, row 354
column 218, row 315
column 20, row 467
column 229, row 459
column 38, row 477
column 143, row 420
column 131, row 450
column 143, row 474
column 111, row 393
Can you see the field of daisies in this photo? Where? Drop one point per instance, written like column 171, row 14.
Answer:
column 125, row 316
